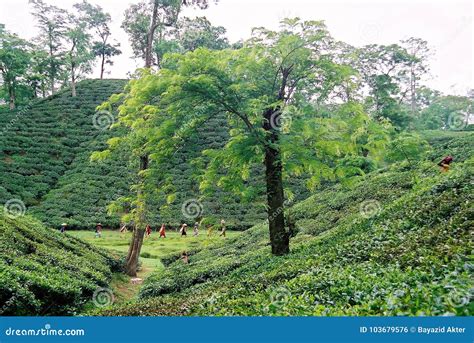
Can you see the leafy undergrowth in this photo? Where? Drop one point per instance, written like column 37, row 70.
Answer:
column 44, row 272
column 395, row 243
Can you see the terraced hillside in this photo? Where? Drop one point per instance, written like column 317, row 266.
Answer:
column 44, row 272
column 41, row 141
column 396, row 243
column 45, row 162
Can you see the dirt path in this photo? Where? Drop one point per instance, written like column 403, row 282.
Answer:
column 123, row 288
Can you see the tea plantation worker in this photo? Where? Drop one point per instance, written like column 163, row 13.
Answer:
column 98, row 230
column 445, row 162
column 183, row 229
column 162, row 231
column 222, row 228
column 184, row 257
column 63, row 227
column 148, row 230
column 209, row 230
column 196, row 229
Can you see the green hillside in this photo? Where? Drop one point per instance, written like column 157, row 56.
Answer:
column 396, row 243
column 45, row 150
column 44, row 272
column 41, row 141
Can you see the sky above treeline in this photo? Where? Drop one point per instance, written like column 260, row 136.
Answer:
column 446, row 25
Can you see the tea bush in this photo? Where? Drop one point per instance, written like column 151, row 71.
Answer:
column 44, row 272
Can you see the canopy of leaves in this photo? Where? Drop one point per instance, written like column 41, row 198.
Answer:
column 290, row 70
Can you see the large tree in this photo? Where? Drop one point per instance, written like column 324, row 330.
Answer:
column 384, row 69
column 270, row 92
column 449, row 112
column 143, row 20
column 14, row 62
column 79, row 56
column 51, row 22
column 187, row 35
column 419, row 54
column 98, row 21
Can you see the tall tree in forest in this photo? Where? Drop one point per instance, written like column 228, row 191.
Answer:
column 384, row 68
column 37, row 73
column 14, row 61
column 188, row 35
column 448, row 112
column 143, row 20
column 269, row 91
column 98, row 21
column 193, row 33
column 79, row 56
column 51, row 22
column 135, row 24
column 419, row 54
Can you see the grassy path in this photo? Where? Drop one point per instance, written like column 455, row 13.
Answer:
column 153, row 249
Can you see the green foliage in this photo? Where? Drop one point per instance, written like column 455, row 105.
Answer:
column 170, row 33
column 447, row 112
column 98, row 20
column 407, row 146
column 384, row 68
column 45, row 148
column 169, row 111
column 409, row 257
column 44, row 272
column 14, row 61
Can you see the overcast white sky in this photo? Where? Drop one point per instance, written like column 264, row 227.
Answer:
column 446, row 25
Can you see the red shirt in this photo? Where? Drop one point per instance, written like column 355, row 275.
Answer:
column 447, row 160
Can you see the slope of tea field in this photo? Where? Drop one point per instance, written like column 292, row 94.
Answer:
column 396, row 243
column 44, row 272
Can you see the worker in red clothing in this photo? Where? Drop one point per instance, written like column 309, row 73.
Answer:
column 445, row 162
column 162, row 231
column 148, row 231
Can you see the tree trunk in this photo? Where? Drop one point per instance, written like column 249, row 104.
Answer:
column 73, row 82
column 53, row 90
column 12, row 97
column 150, row 35
column 52, row 64
column 43, row 89
column 102, row 67
column 413, row 92
column 139, row 230
column 279, row 238
column 131, row 265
